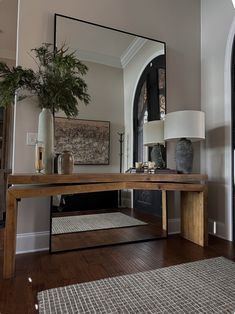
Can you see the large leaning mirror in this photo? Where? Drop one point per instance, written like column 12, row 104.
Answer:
column 117, row 64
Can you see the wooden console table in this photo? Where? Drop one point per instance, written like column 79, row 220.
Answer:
column 193, row 189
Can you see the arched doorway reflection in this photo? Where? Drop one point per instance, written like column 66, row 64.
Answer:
column 149, row 105
column 233, row 132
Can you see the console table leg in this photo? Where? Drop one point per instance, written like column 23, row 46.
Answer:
column 164, row 211
column 10, row 237
column 194, row 217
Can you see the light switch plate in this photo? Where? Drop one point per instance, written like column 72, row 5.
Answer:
column 31, row 138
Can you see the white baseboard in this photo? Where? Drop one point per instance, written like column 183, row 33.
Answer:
column 126, row 201
column 32, row 242
column 39, row 241
column 220, row 230
column 173, row 225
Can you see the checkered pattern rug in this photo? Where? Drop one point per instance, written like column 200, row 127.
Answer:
column 206, row 286
column 80, row 223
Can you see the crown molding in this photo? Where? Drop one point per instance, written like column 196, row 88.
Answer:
column 132, row 50
column 99, row 58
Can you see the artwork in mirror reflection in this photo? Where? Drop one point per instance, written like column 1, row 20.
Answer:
column 115, row 61
column 88, row 140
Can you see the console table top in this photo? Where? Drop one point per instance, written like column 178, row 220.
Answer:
column 32, row 178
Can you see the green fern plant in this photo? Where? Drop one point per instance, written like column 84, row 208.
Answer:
column 57, row 83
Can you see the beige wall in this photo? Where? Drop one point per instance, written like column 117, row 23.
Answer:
column 176, row 22
column 8, row 26
column 9, row 62
column 216, row 44
column 105, row 86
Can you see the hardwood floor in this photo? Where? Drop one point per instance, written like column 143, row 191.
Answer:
column 18, row 295
column 96, row 238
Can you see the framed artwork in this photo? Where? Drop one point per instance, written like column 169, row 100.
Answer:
column 88, row 140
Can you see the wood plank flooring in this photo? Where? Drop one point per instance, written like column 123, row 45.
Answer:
column 96, row 238
column 18, row 295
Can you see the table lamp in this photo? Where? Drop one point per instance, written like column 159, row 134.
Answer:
column 153, row 136
column 187, row 126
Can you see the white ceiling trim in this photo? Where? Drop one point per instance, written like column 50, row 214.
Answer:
column 132, row 50
column 96, row 57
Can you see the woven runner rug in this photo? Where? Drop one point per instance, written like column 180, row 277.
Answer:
column 79, row 223
column 206, row 286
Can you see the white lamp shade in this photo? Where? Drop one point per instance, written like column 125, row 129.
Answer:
column 153, row 132
column 233, row 1
column 185, row 124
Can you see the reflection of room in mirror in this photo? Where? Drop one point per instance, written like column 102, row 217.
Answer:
column 80, row 223
column 92, row 228
column 115, row 61
column 84, row 220
column 103, row 45
column 88, row 140
column 162, row 91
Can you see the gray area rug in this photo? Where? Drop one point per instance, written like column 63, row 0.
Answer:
column 206, row 286
column 80, row 223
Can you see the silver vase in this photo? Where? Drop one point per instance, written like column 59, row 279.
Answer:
column 46, row 135
column 65, row 162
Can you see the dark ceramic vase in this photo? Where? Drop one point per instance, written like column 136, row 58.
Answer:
column 158, row 155
column 56, row 157
column 184, row 156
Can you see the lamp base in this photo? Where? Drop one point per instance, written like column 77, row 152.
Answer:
column 184, row 156
column 158, row 155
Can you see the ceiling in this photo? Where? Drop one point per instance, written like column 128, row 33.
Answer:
column 92, row 43
column 99, row 44
column 8, row 28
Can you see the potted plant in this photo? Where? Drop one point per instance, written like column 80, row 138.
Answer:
column 57, row 83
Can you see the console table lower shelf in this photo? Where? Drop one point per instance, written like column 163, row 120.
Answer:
column 193, row 190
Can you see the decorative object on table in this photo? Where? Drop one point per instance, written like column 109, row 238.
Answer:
column 187, row 126
column 46, row 135
column 151, row 164
column 121, row 139
column 150, row 170
column 88, row 140
column 142, row 167
column 65, row 162
column 138, row 165
column 153, row 136
column 145, row 167
column 56, row 156
column 57, row 83
column 39, row 156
